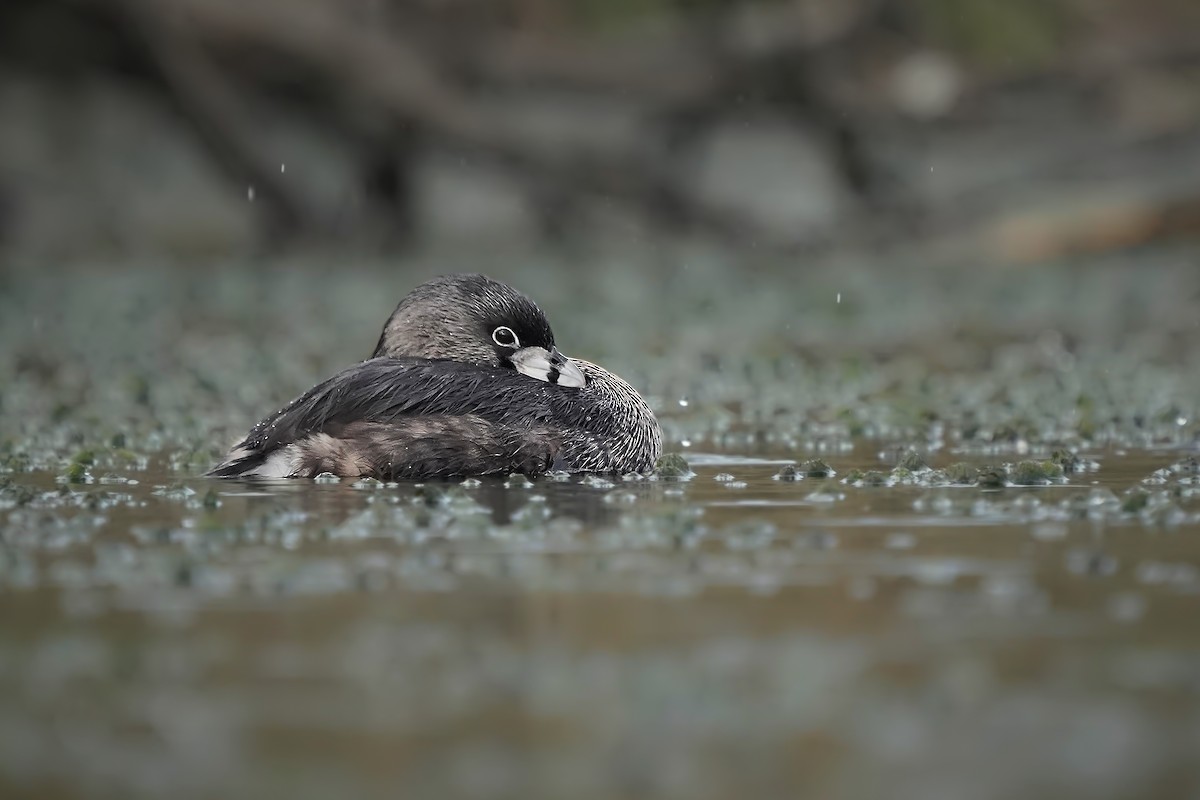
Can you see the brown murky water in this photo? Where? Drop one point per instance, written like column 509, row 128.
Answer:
column 742, row 637
column 728, row 636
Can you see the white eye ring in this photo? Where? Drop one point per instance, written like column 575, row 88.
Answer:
column 505, row 337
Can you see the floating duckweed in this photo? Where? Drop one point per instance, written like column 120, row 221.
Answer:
column 962, row 473
column 76, row 473
column 16, row 462
column 15, row 495
column 788, row 473
column 992, row 477
column 816, row 468
column 1188, row 466
column 1135, row 501
column 1035, row 473
column 875, row 477
column 1068, row 461
column 617, row 557
column 1158, row 477
column 85, row 457
column 870, row 478
column 211, row 499
column 327, row 477
column 597, row 482
column 672, row 465
column 912, row 461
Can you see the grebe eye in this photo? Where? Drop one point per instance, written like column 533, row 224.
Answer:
column 505, row 337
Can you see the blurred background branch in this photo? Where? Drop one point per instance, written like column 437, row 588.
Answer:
column 776, row 123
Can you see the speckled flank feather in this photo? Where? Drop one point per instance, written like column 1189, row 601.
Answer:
column 420, row 447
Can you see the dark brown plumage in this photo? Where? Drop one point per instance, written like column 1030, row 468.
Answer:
column 466, row 380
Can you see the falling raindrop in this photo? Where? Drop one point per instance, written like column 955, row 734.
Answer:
column 250, row 193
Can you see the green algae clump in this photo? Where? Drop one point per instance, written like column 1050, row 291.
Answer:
column 672, row 465
column 1068, row 461
column 912, row 461
column 1135, row 501
column 992, row 478
column 1036, row 473
column 85, row 457
column 961, row 473
column 76, row 473
column 875, row 477
column 788, row 473
column 816, row 468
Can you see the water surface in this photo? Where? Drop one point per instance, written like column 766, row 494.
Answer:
column 590, row 637
column 732, row 635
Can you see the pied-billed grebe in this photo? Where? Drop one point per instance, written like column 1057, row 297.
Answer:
column 465, row 380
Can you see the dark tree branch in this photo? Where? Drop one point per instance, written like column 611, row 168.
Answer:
column 400, row 85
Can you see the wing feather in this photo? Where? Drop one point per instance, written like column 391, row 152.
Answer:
column 383, row 390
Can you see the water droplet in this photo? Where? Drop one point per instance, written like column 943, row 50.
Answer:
column 839, row 298
column 683, row 402
column 283, row 167
column 250, row 193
